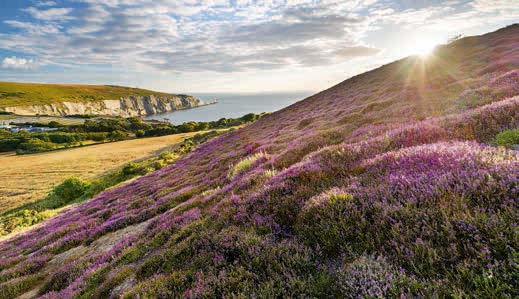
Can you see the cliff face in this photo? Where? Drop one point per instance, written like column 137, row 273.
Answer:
column 125, row 107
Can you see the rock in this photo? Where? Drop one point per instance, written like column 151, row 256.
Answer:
column 124, row 107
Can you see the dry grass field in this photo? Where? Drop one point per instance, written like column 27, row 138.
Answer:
column 30, row 177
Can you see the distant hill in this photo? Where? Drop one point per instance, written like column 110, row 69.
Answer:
column 65, row 99
column 23, row 94
column 387, row 185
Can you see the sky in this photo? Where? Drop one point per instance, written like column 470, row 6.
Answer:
column 239, row 46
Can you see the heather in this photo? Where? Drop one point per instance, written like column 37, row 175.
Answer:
column 406, row 195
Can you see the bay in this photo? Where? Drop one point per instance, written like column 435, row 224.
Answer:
column 231, row 106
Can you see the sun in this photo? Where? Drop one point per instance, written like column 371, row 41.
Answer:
column 424, row 48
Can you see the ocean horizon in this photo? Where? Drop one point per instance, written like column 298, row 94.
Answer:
column 231, row 105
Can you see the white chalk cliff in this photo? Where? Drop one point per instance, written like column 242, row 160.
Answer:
column 125, row 107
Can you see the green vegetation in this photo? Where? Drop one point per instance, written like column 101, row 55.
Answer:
column 104, row 130
column 23, row 94
column 27, row 143
column 73, row 190
column 507, row 138
column 244, row 164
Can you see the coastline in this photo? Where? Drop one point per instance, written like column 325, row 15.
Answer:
column 180, row 109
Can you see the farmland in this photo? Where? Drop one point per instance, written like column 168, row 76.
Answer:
column 29, row 177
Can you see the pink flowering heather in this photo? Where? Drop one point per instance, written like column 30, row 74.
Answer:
column 387, row 185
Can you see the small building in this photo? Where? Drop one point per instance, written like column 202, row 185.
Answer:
column 6, row 126
column 30, row 129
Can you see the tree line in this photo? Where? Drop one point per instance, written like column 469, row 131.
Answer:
column 105, row 130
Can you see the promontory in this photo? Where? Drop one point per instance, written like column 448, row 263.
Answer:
column 69, row 99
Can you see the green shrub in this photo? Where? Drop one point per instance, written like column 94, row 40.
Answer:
column 35, row 146
column 97, row 136
column 131, row 168
column 61, row 137
column 507, row 138
column 245, row 164
column 117, row 135
column 9, row 144
column 71, row 189
column 140, row 133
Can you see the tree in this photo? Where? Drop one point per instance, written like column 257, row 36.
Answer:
column 117, row 135
column 248, row 117
column 54, row 124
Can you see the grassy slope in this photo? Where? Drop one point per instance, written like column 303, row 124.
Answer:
column 380, row 186
column 30, row 177
column 22, row 94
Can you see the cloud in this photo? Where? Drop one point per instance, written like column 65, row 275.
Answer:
column 45, row 3
column 298, row 29
column 51, row 14
column 225, row 36
column 18, row 64
column 35, row 29
column 357, row 51
column 192, row 36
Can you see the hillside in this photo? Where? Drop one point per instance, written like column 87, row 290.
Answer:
column 62, row 100
column 385, row 185
column 24, row 94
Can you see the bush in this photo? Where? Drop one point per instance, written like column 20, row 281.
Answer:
column 131, row 168
column 61, row 137
column 71, row 189
column 244, row 164
column 140, row 133
column 117, row 135
column 54, row 124
column 35, row 146
column 9, row 144
column 97, row 136
column 507, row 138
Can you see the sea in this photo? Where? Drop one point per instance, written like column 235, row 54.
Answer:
column 231, row 106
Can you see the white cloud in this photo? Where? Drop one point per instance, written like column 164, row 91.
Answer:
column 35, row 29
column 51, row 14
column 46, row 3
column 213, row 35
column 18, row 64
